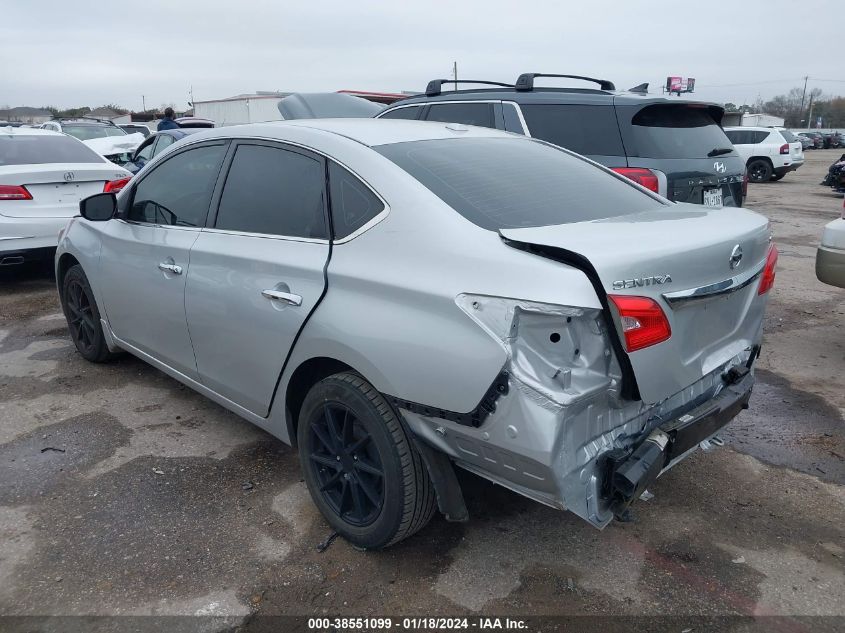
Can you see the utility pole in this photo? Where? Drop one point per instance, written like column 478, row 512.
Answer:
column 804, row 94
column 455, row 73
column 143, row 104
column 810, row 116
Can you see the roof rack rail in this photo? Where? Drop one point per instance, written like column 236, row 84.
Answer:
column 525, row 82
column 98, row 119
column 435, row 86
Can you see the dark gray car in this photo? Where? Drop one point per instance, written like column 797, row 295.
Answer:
column 675, row 148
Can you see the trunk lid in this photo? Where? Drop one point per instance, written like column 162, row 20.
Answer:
column 664, row 255
column 56, row 189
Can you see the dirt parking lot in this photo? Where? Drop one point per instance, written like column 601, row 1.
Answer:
column 124, row 493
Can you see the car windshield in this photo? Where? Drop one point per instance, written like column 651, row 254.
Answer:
column 26, row 149
column 87, row 132
column 501, row 183
column 676, row 131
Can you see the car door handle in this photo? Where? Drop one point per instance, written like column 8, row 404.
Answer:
column 285, row 297
column 170, row 268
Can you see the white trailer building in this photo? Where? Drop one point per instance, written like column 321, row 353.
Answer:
column 246, row 108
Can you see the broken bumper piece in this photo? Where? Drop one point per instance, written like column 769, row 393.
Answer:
column 630, row 472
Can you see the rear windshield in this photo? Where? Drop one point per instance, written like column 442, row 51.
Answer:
column 676, row 131
column 87, row 132
column 500, row 183
column 585, row 129
column 36, row 149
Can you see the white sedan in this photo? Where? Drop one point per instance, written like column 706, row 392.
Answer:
column 43, row 176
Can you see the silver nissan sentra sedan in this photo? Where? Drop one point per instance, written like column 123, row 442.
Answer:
column 397, row 298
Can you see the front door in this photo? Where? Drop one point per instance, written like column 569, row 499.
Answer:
column 145, row 255
column 257, row 273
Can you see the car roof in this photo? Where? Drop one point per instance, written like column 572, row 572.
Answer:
column 368, row 132
column 754, row 128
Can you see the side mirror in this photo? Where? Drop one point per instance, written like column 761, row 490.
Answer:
column 99, row 207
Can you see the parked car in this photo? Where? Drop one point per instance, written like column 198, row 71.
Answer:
column 835, row 177
column 674, row 148
column 769, row 153
column 834, row 140
column 830, row 256
column 154, row 145
column 398, row 297
column 806, row 141
column 103, row 136
column 131, row 128
column 43, row 176
column 818, row 139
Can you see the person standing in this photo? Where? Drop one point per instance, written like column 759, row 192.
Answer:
column 167, row 123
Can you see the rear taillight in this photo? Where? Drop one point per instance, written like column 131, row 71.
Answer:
column 644, row 177
column 643, row 321
column 768, row 278
column 113, row 186
column 784, row 149
column 745, row 184
column 14, row 192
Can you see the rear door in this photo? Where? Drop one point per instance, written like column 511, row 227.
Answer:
column 258, row 270
column 144, row 259
column 685, row 143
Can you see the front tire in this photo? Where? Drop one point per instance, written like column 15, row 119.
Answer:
column 83, row 317
column 759, row 170
column 360, row 465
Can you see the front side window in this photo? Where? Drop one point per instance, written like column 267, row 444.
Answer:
column 145, row 152
column 499, row 183
column 178, row 191
column 273, row 191
column 353, row 204
column 480, row 114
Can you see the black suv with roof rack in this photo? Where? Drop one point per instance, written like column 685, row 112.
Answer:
column 675, row 148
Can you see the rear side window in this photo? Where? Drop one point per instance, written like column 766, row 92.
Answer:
column 480, row 114
column 584, row 129
column 675, row 131
column 353, row 204
column 788, row 136
column 411, row 112
column 513, row 182
column 20, row 149
column 178, row 191
column 273, row 191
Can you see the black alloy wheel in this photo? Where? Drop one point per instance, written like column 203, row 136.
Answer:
column 348, row 467
column 759, row 171
column 83, row 316
column 80, row 317
column 361, row 464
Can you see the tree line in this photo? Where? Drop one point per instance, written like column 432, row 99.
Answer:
column 816, row 105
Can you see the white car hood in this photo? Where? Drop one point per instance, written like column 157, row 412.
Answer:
column 109, row 145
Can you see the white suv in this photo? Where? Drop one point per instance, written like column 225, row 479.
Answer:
column 769, row 152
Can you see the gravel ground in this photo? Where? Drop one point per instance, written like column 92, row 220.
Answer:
column 124, row 493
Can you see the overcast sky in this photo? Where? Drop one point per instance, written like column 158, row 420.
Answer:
column 92, row 53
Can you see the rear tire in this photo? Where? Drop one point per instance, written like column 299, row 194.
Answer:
column 360, row 465
column 83, row 317
column 759, row 170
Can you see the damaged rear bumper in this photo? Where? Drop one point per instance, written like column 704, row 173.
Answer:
column 575, row 456
column 628, row 473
